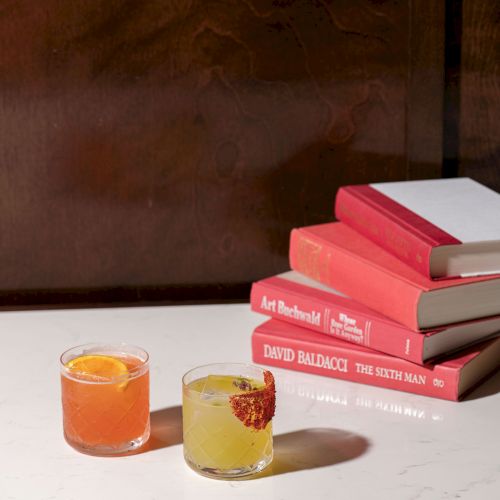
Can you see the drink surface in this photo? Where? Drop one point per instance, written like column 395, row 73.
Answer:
column 214, row 438
column 105, row 400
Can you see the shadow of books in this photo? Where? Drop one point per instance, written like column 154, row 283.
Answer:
column 312, row 448
column 489, row 387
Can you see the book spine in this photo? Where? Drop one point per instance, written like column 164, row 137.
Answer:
column 368, row 284
column 369, row 368
column 337, row 320
column 384, row 228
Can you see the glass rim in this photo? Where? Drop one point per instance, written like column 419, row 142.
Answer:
column 135, row 372
column 247, row 365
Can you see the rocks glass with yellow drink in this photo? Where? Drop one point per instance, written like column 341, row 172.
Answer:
column 227, row 410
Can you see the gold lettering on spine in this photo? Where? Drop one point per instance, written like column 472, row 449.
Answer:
column 324, row 267
column 359, row 220
column 399, row 244
column 309, row 257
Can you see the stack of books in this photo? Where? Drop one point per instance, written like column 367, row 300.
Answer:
column 402, row 293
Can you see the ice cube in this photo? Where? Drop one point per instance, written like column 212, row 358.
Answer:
column 217, row 388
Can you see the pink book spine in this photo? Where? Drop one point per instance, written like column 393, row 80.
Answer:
column 390, row 225
column 282, row 300
column 365, row 367
column 334, row 267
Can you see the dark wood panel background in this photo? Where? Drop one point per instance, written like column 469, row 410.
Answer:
column 162, row 151
column 479, row 125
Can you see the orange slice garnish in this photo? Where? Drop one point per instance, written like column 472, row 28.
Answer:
column 99, row 368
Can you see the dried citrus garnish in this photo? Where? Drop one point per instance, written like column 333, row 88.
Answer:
column 256, row 408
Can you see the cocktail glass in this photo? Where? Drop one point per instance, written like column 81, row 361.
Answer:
column 105, row 398
column 227, row 410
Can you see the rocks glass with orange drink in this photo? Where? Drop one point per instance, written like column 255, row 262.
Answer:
column 105, row 398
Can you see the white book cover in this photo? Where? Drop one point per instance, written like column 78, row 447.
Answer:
column 440, row 227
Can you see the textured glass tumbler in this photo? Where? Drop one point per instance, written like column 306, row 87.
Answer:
column 105, row 398
column 227, row 410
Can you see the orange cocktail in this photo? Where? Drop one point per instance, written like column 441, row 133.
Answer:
column 105, row 398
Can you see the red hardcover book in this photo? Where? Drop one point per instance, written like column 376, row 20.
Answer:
column 339, row 257
column 294, row 298
column 440, row 227
column 283, row 345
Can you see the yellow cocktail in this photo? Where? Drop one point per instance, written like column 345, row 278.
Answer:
column 227, row 411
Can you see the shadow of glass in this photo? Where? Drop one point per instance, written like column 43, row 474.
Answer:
column 313, row 448
column 166, row 429
column 295, row 451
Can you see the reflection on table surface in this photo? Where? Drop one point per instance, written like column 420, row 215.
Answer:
column 347, row 394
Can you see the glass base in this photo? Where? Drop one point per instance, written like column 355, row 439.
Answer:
column 241, row 472
column 128, row 447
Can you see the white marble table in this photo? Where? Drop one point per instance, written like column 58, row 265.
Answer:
column 333, row 439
